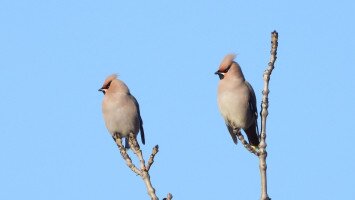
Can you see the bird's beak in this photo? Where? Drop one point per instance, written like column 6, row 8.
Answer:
column 102, row 90
column 220, row 74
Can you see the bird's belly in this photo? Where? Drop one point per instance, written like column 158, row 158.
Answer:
column 121, row 121
column 234, row 108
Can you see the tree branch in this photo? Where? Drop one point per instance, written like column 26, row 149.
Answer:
column 151, row 158
column 143, row 172
column 264, row 114
column 169, row 197
column 125, row 156
column 136, row 150
column 240, row 136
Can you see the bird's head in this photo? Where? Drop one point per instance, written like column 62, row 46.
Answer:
column 229, row 68
column 225, row 65
column 107, row 83
column 114, row 85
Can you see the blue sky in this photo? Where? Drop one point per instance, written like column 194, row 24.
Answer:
column 54, row 55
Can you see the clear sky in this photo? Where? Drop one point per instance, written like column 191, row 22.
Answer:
column 55, row 55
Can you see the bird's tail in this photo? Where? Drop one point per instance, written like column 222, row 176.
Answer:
column 252, row 134
column 126, row 145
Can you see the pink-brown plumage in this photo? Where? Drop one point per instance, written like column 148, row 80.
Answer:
column 120, row 109
column 236, row 100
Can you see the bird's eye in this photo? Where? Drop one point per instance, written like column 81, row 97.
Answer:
column 108, row 85
column 225, row 71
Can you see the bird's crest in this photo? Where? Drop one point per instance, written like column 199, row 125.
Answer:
column 109, row 79
column 227, row 61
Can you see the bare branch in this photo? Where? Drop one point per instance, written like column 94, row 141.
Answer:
column 169, row 197
column 151, row 158
column 151, row 191
column 143, row 171
column 136, row 150
column 264, row 114
column 125, row 156
column 250, row 148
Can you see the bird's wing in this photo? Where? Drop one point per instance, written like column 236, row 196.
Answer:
column 140, row 119
column 252, row 103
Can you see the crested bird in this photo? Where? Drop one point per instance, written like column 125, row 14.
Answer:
column 120, row 110
column 236, row 100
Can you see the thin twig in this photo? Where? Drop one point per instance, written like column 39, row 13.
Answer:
column 143, row 172
column 125, row 156
column 150, row 189
column 136, row 150
column 250, row 148
column 151, row 158
column 169, row 197
column 264, row 114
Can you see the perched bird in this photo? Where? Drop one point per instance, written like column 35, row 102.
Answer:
column 120, row 110
column 237, row 101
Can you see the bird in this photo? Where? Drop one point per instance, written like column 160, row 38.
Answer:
column 120, row 110
column 237, row 101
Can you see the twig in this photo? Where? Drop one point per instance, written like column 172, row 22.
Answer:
column 151, row 158
column 264, row 114
column 136, row 150
column 244, row 142
column 169, row 197
column 151, row 191
column 125, row 156
column 143, row 172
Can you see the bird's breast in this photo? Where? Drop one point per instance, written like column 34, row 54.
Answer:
column 234, row 107
column 120, row 115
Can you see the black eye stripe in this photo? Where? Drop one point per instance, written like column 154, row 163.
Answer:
column 108, row 85
column 225, row 71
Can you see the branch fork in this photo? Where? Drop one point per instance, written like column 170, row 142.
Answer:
column 143, row 170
